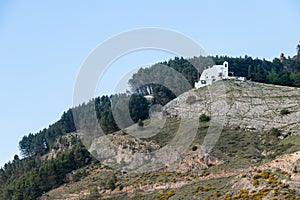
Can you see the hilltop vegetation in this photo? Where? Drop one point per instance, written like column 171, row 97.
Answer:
column 281, row 71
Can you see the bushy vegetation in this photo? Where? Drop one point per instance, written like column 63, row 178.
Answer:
column 41, row 142
column 267, row 184
column 204, row 118
column 275, row 132
column 140, row 123
column 31, row 177
column 167, row 195
column 284, row 111
column 194, row 148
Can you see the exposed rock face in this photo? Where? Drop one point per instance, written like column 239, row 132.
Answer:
column 192, row 162
column 243, row 183
column 123, row 151
column 247, row 105
column 288, row 162
column 296, row 167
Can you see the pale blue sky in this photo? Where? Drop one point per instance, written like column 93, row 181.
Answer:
column 43, row 44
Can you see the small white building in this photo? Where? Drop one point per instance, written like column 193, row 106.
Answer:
column 216, row 73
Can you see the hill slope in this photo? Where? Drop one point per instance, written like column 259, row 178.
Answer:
column 249, row 160
column 245, row 105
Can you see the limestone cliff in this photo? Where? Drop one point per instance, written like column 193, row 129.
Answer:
column 245, row 105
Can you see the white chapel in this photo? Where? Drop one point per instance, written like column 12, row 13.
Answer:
column 216, row 73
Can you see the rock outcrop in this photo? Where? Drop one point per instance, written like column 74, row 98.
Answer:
column 296, row 167
column 246, row 105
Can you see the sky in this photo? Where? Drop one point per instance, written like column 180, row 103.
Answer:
column 43, row 44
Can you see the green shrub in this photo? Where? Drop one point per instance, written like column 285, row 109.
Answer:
column 111, row 182
column 79, row 175
column 275, row 131
column 140, row 123
column 121, row 187
column 204, row 118
column 194, row 148
column 284, row 111
column 94, row 194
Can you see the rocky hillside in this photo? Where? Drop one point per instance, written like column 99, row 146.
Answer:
column 257, row 155
column 246, row 105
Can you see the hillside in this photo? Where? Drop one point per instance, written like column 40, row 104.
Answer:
column 219, row 130
column 256, row 157
column 245, row 105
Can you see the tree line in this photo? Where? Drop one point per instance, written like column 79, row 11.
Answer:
column 31, row 177
column 87, row 115
column 280, row 71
